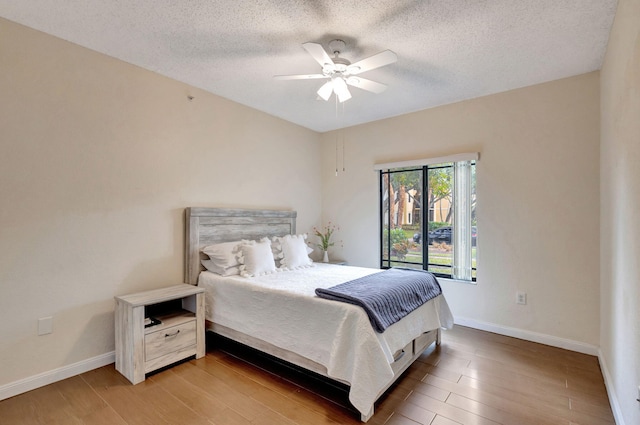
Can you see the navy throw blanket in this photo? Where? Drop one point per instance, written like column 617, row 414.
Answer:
column 387, row 296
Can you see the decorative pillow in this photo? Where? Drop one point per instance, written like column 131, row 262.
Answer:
column 292, row 251
column 256, row 258
column 230, row 271
column 277, row 251
column 222, row 255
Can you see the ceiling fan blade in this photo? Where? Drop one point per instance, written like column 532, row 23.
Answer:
column 372, row 62
column 299, row 77
column 326, row 90
column 319, row 54
column 368, row 85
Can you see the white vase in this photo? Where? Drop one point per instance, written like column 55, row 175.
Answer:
column 325, row 257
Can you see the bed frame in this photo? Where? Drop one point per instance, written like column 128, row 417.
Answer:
column 206, row 226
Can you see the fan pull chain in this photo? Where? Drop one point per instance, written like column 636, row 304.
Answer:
column 343, row 166
column 339, row 139
column 342, row 133
column 336, row 157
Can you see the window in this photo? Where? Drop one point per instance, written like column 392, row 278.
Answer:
column 428, row 217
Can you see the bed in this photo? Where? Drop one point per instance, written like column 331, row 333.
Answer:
column 280, row 315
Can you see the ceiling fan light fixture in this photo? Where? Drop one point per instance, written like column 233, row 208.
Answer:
column 344, row 97
column 340, row 89
column 325, row 91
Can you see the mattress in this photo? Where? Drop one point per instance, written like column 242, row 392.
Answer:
column 283, row 310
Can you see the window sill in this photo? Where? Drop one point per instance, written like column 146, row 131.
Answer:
column 449, row 280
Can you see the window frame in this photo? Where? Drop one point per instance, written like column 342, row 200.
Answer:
column 386, row 262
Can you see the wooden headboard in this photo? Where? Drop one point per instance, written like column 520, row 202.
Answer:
column 206, row 226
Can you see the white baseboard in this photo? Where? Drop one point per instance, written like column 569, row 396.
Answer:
column 608, row 383
column 31, row 383
column 551, row 340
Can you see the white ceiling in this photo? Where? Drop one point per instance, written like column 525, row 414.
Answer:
column 448, row 50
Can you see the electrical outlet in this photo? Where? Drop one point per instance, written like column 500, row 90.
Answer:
column 521, row 298
column 45, row 325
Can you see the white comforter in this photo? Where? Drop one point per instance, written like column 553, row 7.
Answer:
column 282, row 309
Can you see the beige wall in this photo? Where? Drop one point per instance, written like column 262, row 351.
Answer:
column 537, row 207
column 620, row 212
column 98, row 160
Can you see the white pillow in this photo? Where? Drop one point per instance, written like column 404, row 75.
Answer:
column 277, row 251
column 256, row 258
column 293, row 252
column 223, row 255
column 229, row 271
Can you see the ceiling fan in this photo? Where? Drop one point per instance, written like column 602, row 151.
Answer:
column 340, row 72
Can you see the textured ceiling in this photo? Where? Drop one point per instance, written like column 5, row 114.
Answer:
column 448, row 50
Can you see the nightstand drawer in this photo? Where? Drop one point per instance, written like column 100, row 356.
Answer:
column 170, row 339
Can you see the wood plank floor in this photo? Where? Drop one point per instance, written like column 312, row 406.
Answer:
column 474, row 377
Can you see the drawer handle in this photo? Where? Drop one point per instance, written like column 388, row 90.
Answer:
column 173, row 334
column 398, row 356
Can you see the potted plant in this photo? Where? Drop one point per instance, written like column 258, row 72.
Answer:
column 325, row 239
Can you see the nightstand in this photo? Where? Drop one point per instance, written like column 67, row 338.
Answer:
column 157, row 328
